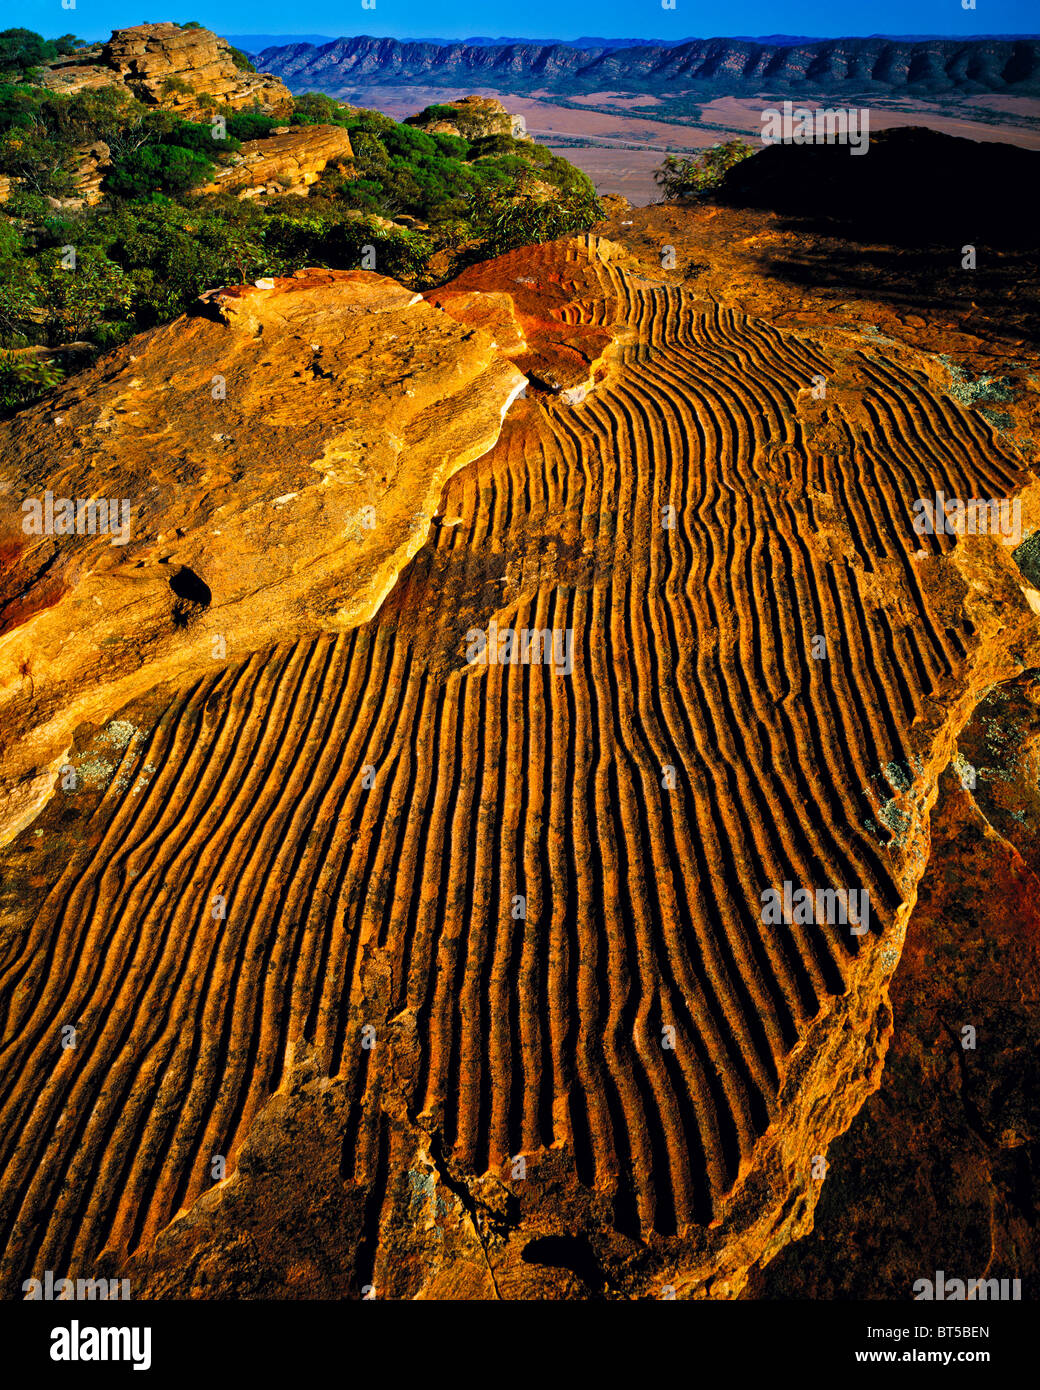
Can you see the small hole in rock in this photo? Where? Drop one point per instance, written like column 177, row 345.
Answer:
column 187, row 585
column 192, row 593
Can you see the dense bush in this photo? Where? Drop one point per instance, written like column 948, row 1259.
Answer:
column 507, row 223
column 157, row 169
column 248, row 125
column 240, row 59
column 438, row 177
column 315, row 108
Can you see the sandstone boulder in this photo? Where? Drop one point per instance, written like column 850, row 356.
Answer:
column 286, row 162
column 270, row 460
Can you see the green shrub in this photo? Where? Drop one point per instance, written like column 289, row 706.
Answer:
column 451, row 145
column 24, row 380
column 366, row 194
column 166, row 169
column 247, row 126
column 19, row 104
column 198, row 136
column 491, row 145
column 74, row 303
column 403, row 141
column 170, row 253
column 439, row 112
column 506, row 223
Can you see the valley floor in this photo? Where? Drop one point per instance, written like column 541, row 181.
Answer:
column 620, row 140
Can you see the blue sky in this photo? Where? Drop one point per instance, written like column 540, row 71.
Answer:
column 535, row 18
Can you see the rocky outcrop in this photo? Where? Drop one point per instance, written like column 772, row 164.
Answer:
column 461, row 965
column 537, row 313
column 82, row 72
column 953, row 1132
column 307, row 426
column 287, row 161
column 186, row 70
column 708, row 67
column 472, row 117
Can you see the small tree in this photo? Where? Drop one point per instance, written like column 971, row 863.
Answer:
column 174, row 86
column 68, row 44
column 683, row 177
column 22, row 49
column 315, row 108
column 76, row 302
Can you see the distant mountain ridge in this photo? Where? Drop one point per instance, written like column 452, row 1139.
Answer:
column 255, row 43
column 710, row 67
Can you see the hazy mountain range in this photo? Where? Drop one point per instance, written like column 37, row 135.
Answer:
column 708, row 67
column 253, row 43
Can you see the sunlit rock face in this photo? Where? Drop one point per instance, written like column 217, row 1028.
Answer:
column 488, row 974
column 263, row 465
column 287, row 161
column 472, row 117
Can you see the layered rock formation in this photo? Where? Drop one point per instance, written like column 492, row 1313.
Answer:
column 88, row 175
column 306, row 428
column 461, row 966
column 165, row 65
column 287, row 161
column 544, row 314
